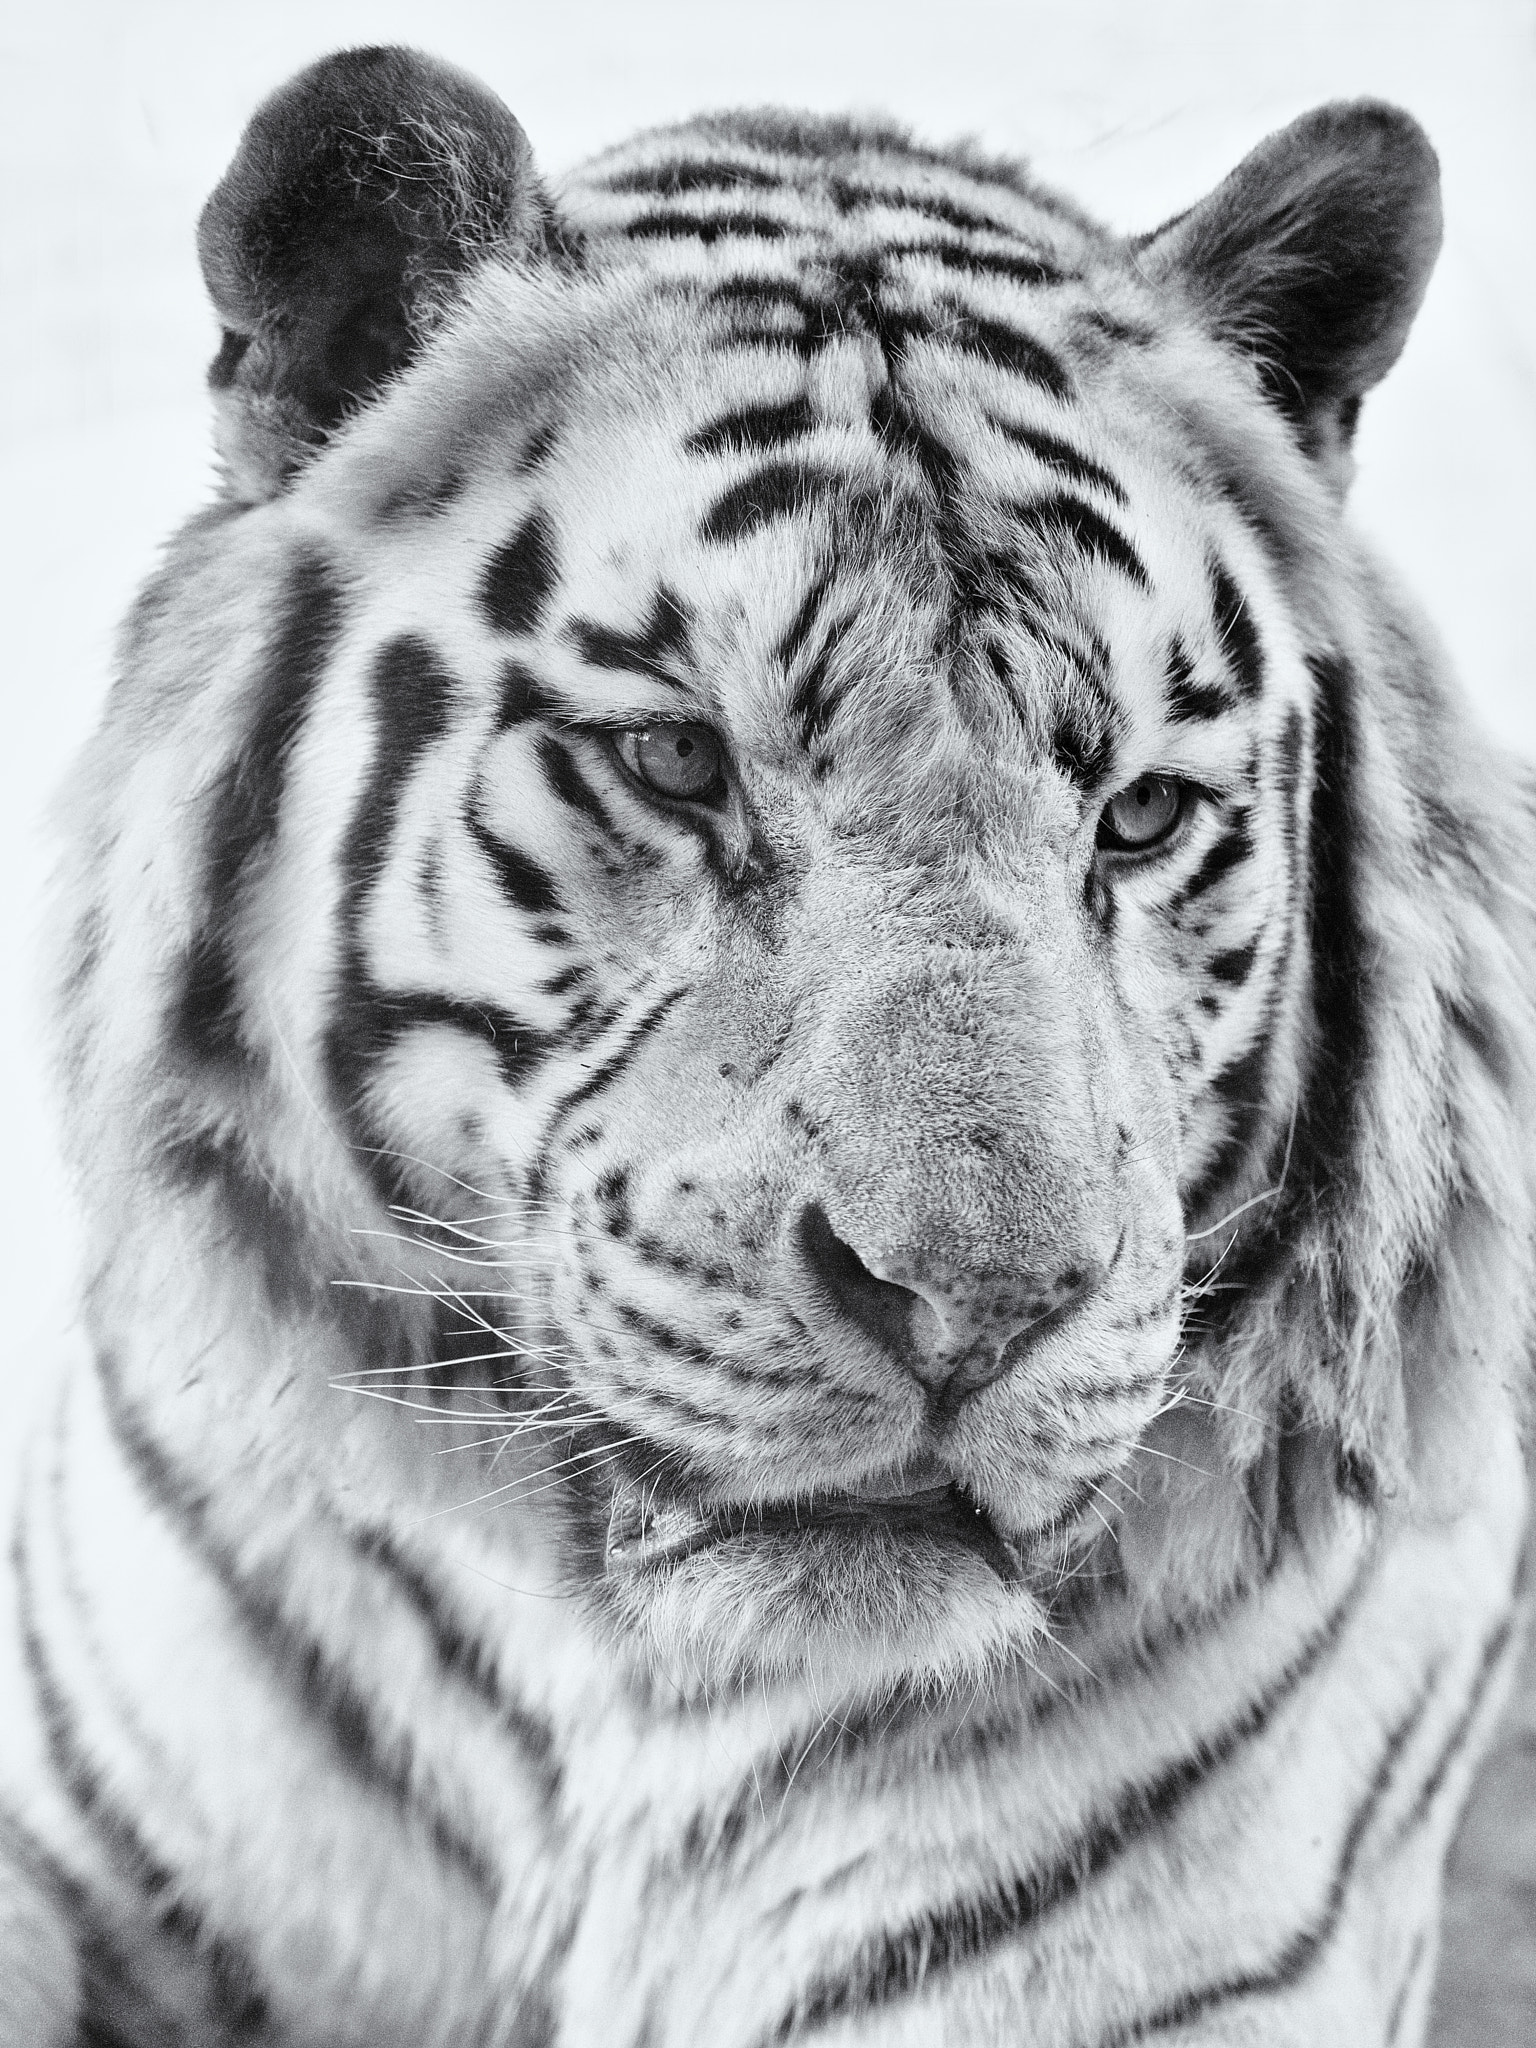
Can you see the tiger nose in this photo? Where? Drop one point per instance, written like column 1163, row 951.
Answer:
column 954, row 1330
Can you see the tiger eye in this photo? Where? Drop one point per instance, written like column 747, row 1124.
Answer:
column 679, row 761
column 1141, row 814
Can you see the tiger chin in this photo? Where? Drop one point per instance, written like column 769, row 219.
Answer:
column 798, row 1026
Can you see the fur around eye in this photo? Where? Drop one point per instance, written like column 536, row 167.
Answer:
column 1142, row 815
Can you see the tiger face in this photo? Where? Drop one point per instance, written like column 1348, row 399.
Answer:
column 778, row 795
column 865, row 784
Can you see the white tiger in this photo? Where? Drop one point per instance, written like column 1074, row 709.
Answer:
column 774, row 869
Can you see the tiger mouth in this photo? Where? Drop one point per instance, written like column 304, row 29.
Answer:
column 647, row 1532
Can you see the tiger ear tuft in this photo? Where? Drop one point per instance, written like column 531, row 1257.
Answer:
column 1312, row 258
column 363, row 192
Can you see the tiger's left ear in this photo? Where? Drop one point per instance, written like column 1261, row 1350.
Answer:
column 364, row 193
column 1311, row 259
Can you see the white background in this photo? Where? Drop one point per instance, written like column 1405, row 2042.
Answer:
column 116, row 121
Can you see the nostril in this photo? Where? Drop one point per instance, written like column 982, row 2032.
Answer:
column 881, row 1309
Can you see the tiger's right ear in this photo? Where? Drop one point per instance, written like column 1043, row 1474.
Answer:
column 1310, row 260
column 363, row 193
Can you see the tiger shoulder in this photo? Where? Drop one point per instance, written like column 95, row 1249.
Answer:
column 797, row 1023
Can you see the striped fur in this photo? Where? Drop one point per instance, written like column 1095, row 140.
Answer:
column 845, row 1407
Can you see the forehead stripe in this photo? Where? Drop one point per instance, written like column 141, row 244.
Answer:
column 779, row 490
column 706, row 227
column 657, row 650
column 520, row 577
column 1025, row 270
column 1068, row 519
column 1189, row 702
column 800, row 626
column 993, row 341
column 1060, row 456
column 678, row 174
column 754, row 427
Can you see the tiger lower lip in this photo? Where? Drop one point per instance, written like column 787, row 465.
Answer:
column 645, row 1531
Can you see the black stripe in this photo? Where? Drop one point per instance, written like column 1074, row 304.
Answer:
column 680, row 174
column 520, row 577
column 1189, row 702
column 526, row 883
column 1305, row 1948
column 1237, row 631
column 602, row 1076
column 394, row 1013
column 321, row 1684
column 754, row 427
column 1060, row 456
column 262, row 1219
column 1321, row 1186
column 893, row 1966
column 236, row 2002
column 462, row 1655
column 659, row 648
column 706, row 227
column 1461, row 1730
column 1411, row 1970
column 758, row 292
column 412, row 695
column 779, row 490
column 1234, row 967
column 244, row 808
column 1068, row 519
column 569, row 784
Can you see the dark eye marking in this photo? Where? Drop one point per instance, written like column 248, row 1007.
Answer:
column 657, row 650
column 569, row 784
column 1082, row 750
column 1237, row 632
column 523, row 696
column 1189, row 702
column 754, row 427
column 1070, row 520
column 520, row 577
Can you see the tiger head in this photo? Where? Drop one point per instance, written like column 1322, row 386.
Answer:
column 768, row 756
